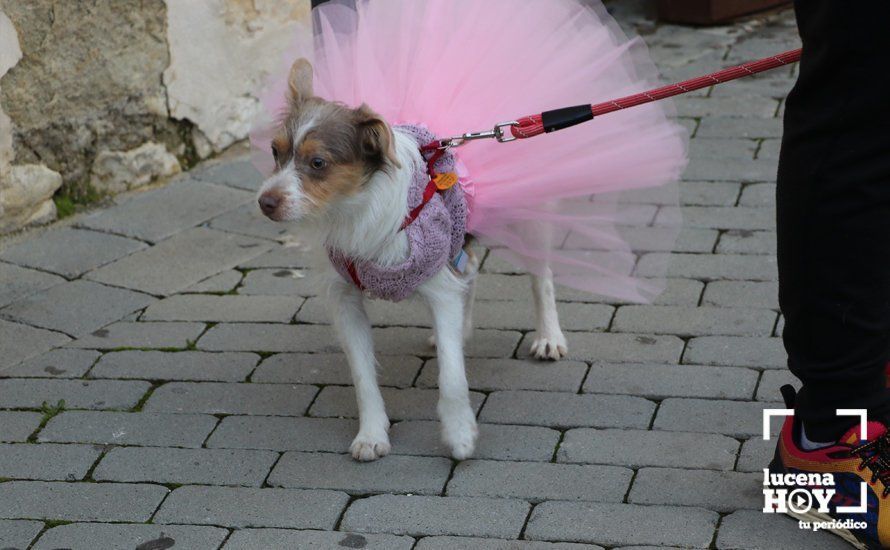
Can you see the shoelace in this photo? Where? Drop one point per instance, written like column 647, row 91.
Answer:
column 875, row 455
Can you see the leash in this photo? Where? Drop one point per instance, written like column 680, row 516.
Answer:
column 558, row 119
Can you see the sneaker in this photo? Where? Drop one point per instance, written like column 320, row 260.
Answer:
column 850, row 462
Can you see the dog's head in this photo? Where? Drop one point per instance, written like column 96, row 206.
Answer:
column 324, row 152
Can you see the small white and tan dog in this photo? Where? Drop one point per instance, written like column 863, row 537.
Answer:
column 345, row 173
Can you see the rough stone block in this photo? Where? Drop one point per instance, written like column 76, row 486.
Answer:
column 47, row 462
column 117, row 502
column 512, row 374
column 496, row 441
column 332, row 368
column 77, row 394
column 223, row 398
column 566, row 410
column 117, row 428
column 658, row 381
column 19, row 282
column 128, row 334
column 70, row 252
column 401, row 404
column 182, row 466
column 58, row 363
column 184, row 365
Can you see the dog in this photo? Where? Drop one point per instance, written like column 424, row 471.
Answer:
column 345, row 174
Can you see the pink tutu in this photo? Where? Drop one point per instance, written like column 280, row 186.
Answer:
column 570, row 201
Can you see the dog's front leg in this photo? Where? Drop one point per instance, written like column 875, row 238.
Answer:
column 354, row 330
column 445, row 295
column 549, row 341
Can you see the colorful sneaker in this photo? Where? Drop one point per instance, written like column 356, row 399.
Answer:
column 849, row 463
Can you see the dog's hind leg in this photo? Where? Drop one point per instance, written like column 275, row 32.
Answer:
column 354, row 330
column 549, row 341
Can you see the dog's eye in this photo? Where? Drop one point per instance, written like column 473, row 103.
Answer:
column 317, row 163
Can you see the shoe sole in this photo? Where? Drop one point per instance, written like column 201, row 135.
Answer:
column 813, row 516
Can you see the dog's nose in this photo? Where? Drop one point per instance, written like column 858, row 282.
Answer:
column 269, row 203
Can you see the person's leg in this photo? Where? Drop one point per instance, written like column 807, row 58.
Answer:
column 833, row 206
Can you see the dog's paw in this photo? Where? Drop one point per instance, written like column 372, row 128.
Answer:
column 366, row 448
column 553, row 348
column 459, row 430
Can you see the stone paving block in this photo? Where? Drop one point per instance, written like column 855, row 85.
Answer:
column 16, row 426
column 485, row 342
column 731, row 169
column 761, row 107
column 684, row 487
column 723, row 148
column 116, row 502
column 249, row 220
column 539, row 481
column 735, row 267
column 658, row 381
column 77, row 394
column 262, row 337
column 187, row 257
column 733, row 418
column 748, row 128
column 468, row 543
column 694, row 321
column 128, row 334
column 619, row 347
column 675, row 292
column 58, row 363
column 401, row 404
column 119, row 428
column 279, row 282
column 759, row 195
column 496, row 441
column 769, row 149
column 766, row 353
column 419, row 515
column 741, row 294
column 118, row 536
column 18, row 534
column 747, row 242
column 491, row 286
column 723, row 217
column 219, row 283
column 156, row 215
column 76, row 308
column 281, row 433
column 223, row 398
column 565, row 410
column 182, row 365
column 20, row 342
column 771, row 381
column 70, row 252
column 394, row 474
column 241, row 174
column 617, row 524
column 264, row 539
column 251, row 507
column 182, row 466
column 637, row 448
column 268, row 309
column 332, row 368
column 512, row 374
column 653, row 239
column 756, row 454
column 708, row 193
column 287, row 256
column 47, row 462
column 19, row 282
column 754, row 530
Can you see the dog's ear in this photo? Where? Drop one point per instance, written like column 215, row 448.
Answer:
column 376, row 139
column 299, row 82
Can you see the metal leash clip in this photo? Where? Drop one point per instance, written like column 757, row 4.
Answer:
column 497, row 133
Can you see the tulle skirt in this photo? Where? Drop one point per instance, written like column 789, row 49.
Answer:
column 579, row 202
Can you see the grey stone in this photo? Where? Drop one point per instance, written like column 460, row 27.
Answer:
column 250, row 507
column 491, row 286
column 161, row 213
column 747, row 242
column 79, row 501
column 58, row 363
column 723, row 148
column 187, row 257
column 724, row 217
column 76, row 308
column 731, row 169
column 279, row 282
column 742, row 294
column 684, row 487
column 264, row 539
column 694, row 321
column 263, row 337
column 241, row 174
column 754, row 530
column 394, row 474
column 18, row 534
column 269, row 309
column 70, row 252
column 19, row 282
column 763, row 107
column 658, row 381
column 736, row 267
column 767, row 353
column 771, row 381
column 332, row 368
column 219, row 283
column 281, row 257
column 621, row 347
column 16, row 426
column 485, row 342
column 749, row 128
column 181, row 466
column 401, row 404
column 708, row 193
column 116, row 536
column 77, row 394
column 512, row 374
column 184, row 365
column 468, row 543
column 565, row 410
column 539, row 481
column 637, row 448
column 616, row 524
column 127, row 334
column 418, row 515
column 756, row 454
column 674, row 292
column 118, row 428
column 224, row 398
column 496, row 441
column 47, row 462
column 249, row 220
column 769, row 149
column 20, row 342
column 734, row 418
column 653, row 239
column 284, row 433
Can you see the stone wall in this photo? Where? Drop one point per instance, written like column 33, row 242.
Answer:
column 104, row 95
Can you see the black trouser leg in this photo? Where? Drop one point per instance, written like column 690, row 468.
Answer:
column 833, row 201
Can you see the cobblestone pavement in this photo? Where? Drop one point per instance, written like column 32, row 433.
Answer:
column 169, row 376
